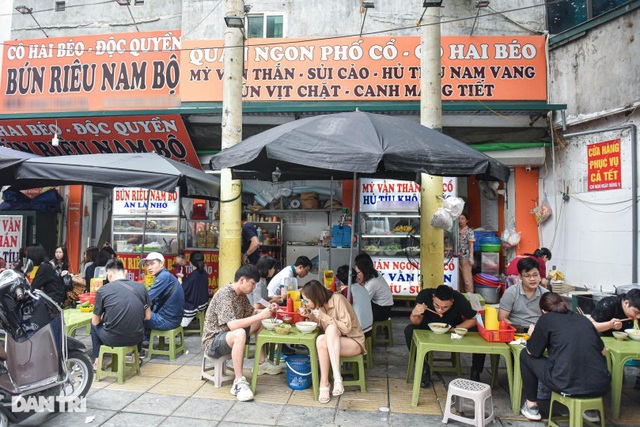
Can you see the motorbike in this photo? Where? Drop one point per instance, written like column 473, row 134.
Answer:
column 45, row 371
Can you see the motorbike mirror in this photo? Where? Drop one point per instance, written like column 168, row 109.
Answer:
column 27, row 267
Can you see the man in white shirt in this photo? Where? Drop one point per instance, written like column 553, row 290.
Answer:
column 299, row 269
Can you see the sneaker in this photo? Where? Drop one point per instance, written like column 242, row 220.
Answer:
column 128, row 359
column 269, row 368
column 142, row 354
column 475, row 374
column 530, row 412
column 592, row 416
column 242, row 390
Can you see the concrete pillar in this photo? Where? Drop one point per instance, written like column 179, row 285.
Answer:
column 431, row 238
column 230, row 190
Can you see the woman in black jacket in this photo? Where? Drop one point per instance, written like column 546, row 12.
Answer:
column 46, row 278
column 576, row 365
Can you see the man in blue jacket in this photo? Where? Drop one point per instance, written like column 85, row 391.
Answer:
column 166, row 295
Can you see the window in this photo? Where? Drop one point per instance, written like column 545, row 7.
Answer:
column 265, row 26
column 60, row 6
column 567, row 14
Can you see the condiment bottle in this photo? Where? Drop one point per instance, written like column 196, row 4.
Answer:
column 290, row 305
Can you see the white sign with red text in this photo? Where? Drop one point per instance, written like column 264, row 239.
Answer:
column 11, row 227
column 133, row 201
column 403, row 276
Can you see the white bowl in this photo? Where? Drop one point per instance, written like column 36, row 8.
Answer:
column 633, row 334
column 269, row 324
column 439, row 327
column 461, row 331
column 306, row 327
column 619, row 335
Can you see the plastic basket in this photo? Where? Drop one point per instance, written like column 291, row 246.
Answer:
column 298, row 372
column 505, row 333
column 91, row 297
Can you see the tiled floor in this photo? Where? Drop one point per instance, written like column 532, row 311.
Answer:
column 172, row 394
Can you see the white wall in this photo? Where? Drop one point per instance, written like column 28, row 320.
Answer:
column 596, row 75
column 590, row 235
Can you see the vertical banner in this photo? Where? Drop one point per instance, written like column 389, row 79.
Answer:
column 603, row 165
column 11, row 227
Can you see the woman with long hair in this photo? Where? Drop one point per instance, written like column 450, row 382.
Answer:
column 466, row 239
column 196, row 288
column 46, row 278
column 376, row 285
column 342, row 336
column 576, row 364
column 60, row 261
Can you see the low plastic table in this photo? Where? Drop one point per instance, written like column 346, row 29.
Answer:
column 424, row 341
column 294, row 337
column 516, row 386
column 619, row 353
column 75, row 319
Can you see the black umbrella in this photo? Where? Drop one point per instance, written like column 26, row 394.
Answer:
column 339, row 145
column 9, row 161
column 143, row 170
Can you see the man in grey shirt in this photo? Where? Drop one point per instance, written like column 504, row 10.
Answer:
column 520, row 304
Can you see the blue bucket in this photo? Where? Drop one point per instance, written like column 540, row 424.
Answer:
column 298, row 372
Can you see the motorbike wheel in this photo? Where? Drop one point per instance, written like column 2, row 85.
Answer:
column 80, row 374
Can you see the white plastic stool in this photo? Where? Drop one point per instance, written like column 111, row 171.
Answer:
column 219, row 369
column 467, row 389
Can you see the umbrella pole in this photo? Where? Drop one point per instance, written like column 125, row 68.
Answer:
column 144, row 232
column 353, row 220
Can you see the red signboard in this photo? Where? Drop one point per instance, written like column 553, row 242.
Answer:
column 603, row 165
column 132, row 262
column 165, row 135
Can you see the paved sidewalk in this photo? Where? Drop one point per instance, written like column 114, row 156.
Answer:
column 172, row 394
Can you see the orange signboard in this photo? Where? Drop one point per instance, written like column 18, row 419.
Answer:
column 165, row 135
column 603, row 164
column 91, row 73
column 381, row 68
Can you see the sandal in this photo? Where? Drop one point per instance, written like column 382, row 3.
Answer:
column 338, row 388
column 323, row 395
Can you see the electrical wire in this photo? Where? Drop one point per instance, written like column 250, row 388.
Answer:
column 284, row 42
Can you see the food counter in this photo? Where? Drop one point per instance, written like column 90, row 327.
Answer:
column 162, row 227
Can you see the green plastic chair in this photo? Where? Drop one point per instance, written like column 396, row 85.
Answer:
column 368, row 358
column 454, row 359
column 120, row 368
column 167, row 337
column 200, row 317
column 576, row 406
column 385, row 324
column 357, row 372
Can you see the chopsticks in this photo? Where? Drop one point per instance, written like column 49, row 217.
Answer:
column 432, row 311
column 580, row 310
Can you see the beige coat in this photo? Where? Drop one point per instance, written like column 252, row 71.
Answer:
column 339, row 312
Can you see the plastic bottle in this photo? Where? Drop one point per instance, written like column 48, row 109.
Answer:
column 290, row 305
column 259, row 231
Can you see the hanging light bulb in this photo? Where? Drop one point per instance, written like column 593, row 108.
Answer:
column 55, row 141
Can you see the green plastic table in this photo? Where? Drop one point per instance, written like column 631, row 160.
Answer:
column 75, row 319
column 516, row 386
column 619, row 353
column 424, row 341
column 294, row 337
